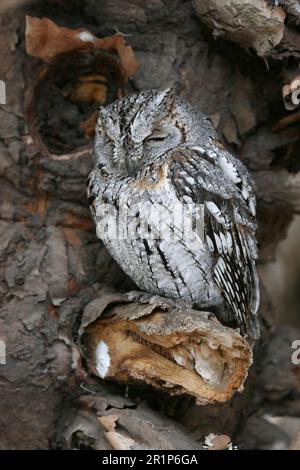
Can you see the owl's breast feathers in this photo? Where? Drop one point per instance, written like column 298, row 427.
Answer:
column 215, row 179
column 155, row 178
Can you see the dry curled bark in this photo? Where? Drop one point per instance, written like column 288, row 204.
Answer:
column 52, row 265
column 108, row 421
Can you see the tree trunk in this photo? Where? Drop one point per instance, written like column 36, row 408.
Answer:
column 53, row 266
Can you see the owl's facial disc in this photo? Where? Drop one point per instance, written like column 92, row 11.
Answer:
column 137, row 130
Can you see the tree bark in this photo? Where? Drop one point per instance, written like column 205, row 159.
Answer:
column 53, row 266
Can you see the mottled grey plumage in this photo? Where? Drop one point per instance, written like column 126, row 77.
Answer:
column 153, row 149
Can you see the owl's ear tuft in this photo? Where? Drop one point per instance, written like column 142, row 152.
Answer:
column 171, row 91
column 99, row 123
column 103, row 117
column 166, row 95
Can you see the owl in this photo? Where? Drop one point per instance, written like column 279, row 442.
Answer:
column 174, row 208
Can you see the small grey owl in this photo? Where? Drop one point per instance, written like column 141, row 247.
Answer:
column 156, row 154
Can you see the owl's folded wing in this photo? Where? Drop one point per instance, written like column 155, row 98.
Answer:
column 222, row 184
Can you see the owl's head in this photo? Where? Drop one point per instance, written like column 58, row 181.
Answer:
column 138, row 129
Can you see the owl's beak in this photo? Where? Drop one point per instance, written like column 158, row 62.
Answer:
column 130, row 169
column 132, row 160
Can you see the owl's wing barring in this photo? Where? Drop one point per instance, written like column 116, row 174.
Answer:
column 223, row 186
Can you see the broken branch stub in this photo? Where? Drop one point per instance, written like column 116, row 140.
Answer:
column 250, row 23
column 174, row 348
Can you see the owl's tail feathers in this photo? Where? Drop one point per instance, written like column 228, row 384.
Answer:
column 253, row 322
